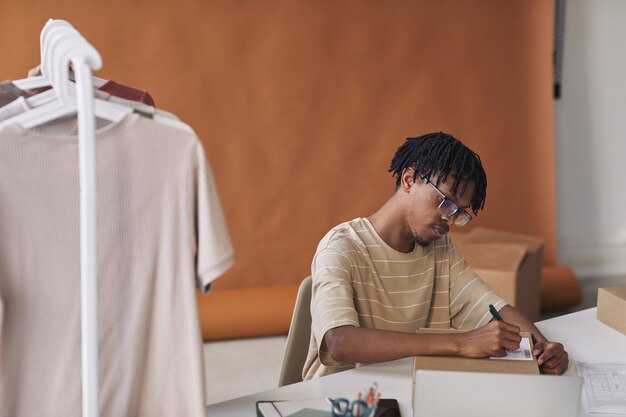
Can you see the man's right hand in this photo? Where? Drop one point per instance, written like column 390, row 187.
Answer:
column 492, row 339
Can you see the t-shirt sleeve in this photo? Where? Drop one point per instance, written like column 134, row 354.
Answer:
column 470, row 296
column 332, row 302
column 215, row 253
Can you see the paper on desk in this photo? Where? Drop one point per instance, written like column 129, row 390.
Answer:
column 314, row 407
column 604, row 387
column 522, row 353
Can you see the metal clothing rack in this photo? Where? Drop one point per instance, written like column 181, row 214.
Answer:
column 62, row 45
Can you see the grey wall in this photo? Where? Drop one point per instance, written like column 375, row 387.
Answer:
column 591, row 139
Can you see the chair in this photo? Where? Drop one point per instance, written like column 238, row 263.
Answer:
column 298, row 337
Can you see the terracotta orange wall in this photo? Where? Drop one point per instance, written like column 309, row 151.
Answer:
column 301, row 104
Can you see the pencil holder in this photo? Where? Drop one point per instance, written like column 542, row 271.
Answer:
column 341, row 407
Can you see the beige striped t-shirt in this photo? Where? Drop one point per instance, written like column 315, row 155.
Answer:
column 359, row 280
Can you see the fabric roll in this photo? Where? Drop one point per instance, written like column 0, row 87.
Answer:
column 559, row 288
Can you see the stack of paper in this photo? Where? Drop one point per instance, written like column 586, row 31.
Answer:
column 604, row 387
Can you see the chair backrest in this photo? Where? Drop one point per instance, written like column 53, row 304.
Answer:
column 298, row 337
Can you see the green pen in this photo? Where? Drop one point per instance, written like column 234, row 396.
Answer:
column 494, row 313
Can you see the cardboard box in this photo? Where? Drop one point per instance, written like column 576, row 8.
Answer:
column 612, row 307
column 458, row 363
column 510, row 263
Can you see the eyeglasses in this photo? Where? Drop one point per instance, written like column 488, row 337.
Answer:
column 449, row 208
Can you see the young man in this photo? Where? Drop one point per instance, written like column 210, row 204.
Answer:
column 377, row 279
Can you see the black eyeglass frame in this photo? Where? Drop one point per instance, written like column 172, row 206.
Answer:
column 461, row 217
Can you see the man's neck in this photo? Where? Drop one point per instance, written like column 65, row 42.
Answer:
column 388, row 223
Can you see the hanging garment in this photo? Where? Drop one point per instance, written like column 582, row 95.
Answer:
column 9, row 92
column 161, row 235
column 126, row 92
column 68, row 125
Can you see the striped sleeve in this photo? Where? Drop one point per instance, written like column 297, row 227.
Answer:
column 470, row 296
column 332, row 302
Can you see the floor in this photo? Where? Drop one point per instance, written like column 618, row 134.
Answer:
column 240, row 367
column 234, row 368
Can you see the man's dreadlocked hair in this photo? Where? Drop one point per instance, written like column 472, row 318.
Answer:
column 439, row 155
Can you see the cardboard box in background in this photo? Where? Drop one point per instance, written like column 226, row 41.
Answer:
column 509, row 262
column 612, row 307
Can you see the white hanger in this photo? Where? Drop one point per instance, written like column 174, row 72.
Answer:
column 52, row 29
column 41, row 80
column 62, row 43
column 31, row 82
column 60, row 100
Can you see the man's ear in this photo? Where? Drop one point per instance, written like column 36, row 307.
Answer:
column 407, row 179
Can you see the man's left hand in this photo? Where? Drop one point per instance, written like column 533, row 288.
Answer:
column 551, row 357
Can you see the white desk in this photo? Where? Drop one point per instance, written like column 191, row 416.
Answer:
column 585, row 339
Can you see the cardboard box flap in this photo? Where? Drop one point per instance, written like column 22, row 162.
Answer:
column 482, row 235
column 493, row 256
column 619, row 292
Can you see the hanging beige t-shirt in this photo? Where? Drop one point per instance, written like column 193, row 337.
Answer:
column 161, row 234
column 359, row 280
